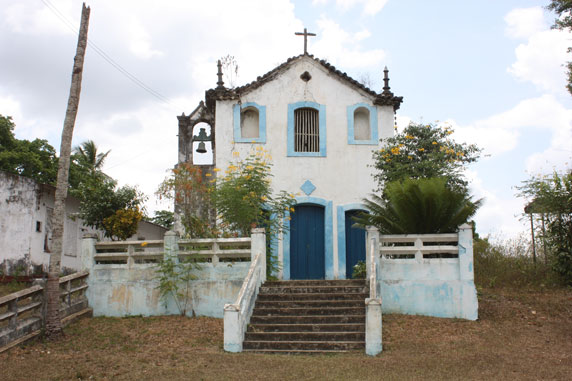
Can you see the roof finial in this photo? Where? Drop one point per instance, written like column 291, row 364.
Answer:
column 220, row 83
column 305, row 34
column 386, row 81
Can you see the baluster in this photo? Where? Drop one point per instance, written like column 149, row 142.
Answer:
column 215, row 250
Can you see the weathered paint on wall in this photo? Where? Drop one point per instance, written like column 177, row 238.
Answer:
column 440, row 287
column 26, row 209
column 116, row 290
column 342, row 176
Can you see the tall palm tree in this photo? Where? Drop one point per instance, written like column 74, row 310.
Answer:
column 89, row 158
column 53, row 318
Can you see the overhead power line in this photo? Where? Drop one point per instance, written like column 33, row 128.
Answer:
column 107, row 58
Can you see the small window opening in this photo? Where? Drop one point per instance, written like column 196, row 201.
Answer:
column 249, row 122
column 39, row 226
column 306, row 130
column 362, row 129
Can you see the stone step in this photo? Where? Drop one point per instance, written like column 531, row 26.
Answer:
column 304, row 345
column 312, row 296
column 314, row 290
column 304, row 336
column 308, row 316
column 325, row 327
column 308, row 311
column 316, row 282
column 310, row 319
column 309, row 303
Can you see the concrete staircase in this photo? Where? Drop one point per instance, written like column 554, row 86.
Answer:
column 308, row 316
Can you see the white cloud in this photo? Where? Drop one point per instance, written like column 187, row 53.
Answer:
column 501, row 132
column 500, row 211
column 33, row 18
column 370, row 7
column 556, row 157
column 10, row 107
column 140, row 41
column 525, row 22
column 342, row 48
column 541, row 60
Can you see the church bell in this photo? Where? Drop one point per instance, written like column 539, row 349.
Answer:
column 201, row 148
column 202, row 138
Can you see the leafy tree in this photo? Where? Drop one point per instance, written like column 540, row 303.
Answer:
column 102, row 200
column 551, row 196
column 164, row 218
column 34, row 159
column 563, row 9
column 123, row 223
column 423, row 151
column 189, row 188
column 243, row 195
column 244, row 199
column 419, row 206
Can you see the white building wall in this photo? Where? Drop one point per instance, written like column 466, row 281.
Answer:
column 25, row 203
column 342, row 176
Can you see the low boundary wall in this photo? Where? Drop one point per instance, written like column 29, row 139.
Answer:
column 123, row 277
column 428, row 274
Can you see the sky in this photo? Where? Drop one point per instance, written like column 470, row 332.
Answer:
column 491, row 69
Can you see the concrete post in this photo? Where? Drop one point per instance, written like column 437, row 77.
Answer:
column 171, row 246
column 373, row 327
column 258, row 245
column 466, row 252
column 371, row 232
column 232, row 329
column 88, row 251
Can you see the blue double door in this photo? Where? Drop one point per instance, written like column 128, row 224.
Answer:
column 355, row 243
column 307, row 242
column 307, row 246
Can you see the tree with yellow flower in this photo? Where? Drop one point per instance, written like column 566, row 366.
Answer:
column 424, row 151
column 244, row 199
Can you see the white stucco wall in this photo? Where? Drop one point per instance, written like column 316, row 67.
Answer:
column 342, row 176
column 24, row 203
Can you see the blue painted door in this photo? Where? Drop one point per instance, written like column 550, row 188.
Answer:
column 355, row 243
column 307, row 243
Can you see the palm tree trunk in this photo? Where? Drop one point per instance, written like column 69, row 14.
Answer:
column 53, row 319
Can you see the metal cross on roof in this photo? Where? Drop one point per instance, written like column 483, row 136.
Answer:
column 305, row 34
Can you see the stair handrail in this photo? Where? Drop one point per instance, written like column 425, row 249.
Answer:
column 237, row 315
column 253, row 277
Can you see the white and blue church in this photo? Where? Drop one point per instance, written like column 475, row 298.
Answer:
column 320, row 127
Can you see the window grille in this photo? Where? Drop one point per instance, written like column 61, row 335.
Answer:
column 306, row 130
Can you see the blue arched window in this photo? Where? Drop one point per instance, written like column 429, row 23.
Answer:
column 249, row 123
column 362, row 124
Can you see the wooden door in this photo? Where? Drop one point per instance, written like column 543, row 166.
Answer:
column 307, row 248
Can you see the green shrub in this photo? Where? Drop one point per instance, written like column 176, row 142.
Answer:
column 508, row 263
column 419, row 206
column 359, row 270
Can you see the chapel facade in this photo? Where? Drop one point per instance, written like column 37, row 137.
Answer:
column 320, row 126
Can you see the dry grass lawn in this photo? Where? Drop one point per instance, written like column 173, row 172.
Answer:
column 520, row 335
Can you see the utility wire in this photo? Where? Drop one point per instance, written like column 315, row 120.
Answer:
column 113, row 63
column 107, row 58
